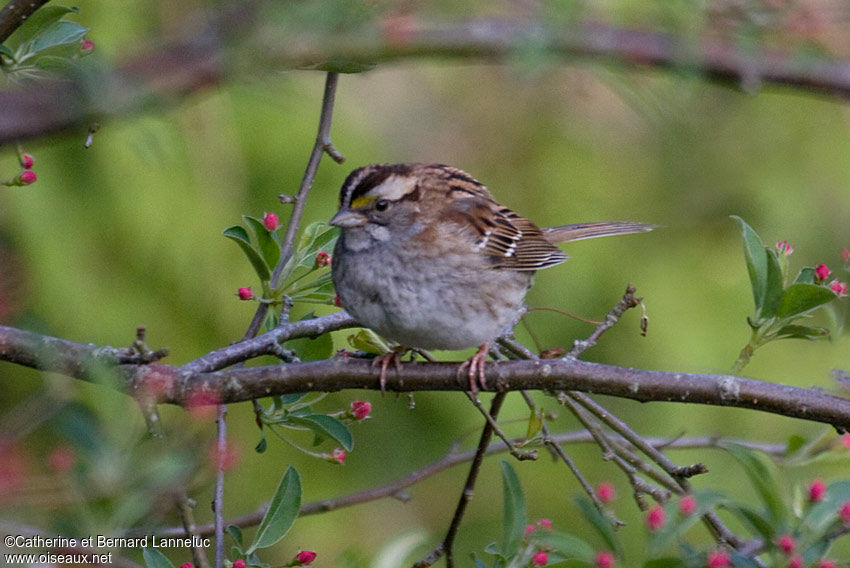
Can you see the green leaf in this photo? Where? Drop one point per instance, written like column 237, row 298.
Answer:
column 326, row 426
column 283, row 510
column 240, row 236
column 801, row 332
column 535, row 424
column 63, row 32
column 515, row 519
column 806, row 276
column 269, row 247
column 773, row 286
column 478, row 562
column 762, row 474
column 235, row 533
column 42, row 18
column 316, row 237
column 602, row 525
column 758, row 521
column 155, row 559
column 569, row 545
column 7, row 52
column 756, row 259
column 794, row 443
column 802, row 298
column 340, row 65
column 261, row 446
column 821, row 517
column 368, row 341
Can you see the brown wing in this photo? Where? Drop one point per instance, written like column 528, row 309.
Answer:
column 578, row 231
column 509, row 241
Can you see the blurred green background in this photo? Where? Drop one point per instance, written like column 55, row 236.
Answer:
column 128, row 233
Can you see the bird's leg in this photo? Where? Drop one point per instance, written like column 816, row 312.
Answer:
column 475, row 365
column 392, row 358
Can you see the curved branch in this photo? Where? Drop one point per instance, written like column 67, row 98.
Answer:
column 170, row 71
column 176, row 385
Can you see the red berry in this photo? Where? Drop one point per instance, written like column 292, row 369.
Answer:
column 656, row 518
column 786, row 544
column 606, row 492
column 817, row 490
column 604, row 559
column 270, row 221
column 687, row 505
column 360, row 409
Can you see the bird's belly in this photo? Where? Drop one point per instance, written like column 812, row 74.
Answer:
column 447, row 306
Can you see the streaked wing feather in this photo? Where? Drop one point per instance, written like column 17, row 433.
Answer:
column 578, row 231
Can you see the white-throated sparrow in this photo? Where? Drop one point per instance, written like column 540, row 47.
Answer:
column 426, row 258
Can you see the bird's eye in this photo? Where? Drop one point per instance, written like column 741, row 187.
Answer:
column 381, row 205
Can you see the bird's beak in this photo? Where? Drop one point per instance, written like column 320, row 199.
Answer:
column 348, row 219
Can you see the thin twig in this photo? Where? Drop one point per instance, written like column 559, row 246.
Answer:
column 514, row 451
column 446, row 547
column 187, row 516
column 626, row 302
column 218, row 497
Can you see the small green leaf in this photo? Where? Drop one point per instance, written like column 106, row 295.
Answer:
column 235, row 533
column 261, row 446
column 794, row 443
column 806, row 276
column 762, row 474
column 478, row 563
column 602, row 525
column 535, row 423
column 759, row 522
column 802, row 298
column 155, row 559
column 240, row 236
column 756, row 259
column 269, row 247
column 340, row 65
column 773, row 286
column 41, row 19
column 515, row 519
column 282, row 512
column 326, row 426
column 63, row 32
column 7, row 52
column 801, row 332
column 368, row 341
column 570, row 546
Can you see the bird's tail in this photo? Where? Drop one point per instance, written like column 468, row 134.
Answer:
column 578, row 231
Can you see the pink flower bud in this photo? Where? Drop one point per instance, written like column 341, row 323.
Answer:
column 187, row 565
column 825, row 563
column 323, row 258
column 270, row 221
column 845, row 254
column 839, row 288
column 27, row 177
column 784, row 248
column 529, row 529
column 87, row 45
column 844, row 513
column 27, row 161
column 796, row 562
column 61, row 459
column 822, row 271
column 545, row 523
column 540, row 559
column 687, row 505
column 360, row 409
column 606, row 492
column 337, row 301
column 717, row 559
column 305, row 557
column 245, row 293
column 338, row 456
column 238, row 563
column 817, row 490
column 604, row 559
column 786, row 544
column 656, row 517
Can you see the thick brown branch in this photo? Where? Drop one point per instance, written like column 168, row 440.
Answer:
column 171, row 70
column 16, row 13
column 174, row 385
